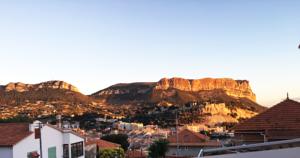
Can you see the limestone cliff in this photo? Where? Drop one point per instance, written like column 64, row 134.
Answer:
column 179, row 91
column 220, row 113
column 234, row 88
column 21, row 87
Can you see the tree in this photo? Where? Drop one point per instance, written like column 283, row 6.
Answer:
column 121, row 139
column 111, row 153
column 18, row 118
column 159, row 148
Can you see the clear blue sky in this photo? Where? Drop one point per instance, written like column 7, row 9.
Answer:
column 94, row 44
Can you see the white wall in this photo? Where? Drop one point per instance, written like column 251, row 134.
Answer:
column 280, row 153
column 26, row 145
column 70, row 138
column 52, row 138
column 6, row 152
column 55, row 138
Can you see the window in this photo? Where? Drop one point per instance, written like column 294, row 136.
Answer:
column 77, row 149
column 66, row 151
column 52, row 152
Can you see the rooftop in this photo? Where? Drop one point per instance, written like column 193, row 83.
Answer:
column 283, row 116
column 103, row 144
column 12, row 133
column 187, row 136
column 190, row 138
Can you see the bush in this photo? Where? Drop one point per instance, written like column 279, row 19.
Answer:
column 111, row 153
column 158, row 149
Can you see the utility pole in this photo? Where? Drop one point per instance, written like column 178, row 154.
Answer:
column 41, row 148
column 177, row 148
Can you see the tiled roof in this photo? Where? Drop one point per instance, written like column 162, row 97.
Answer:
column 285, row 115
column 103, row 144
column 12, row 133
column 190, row 138
column 209, row 143
column 187, row 136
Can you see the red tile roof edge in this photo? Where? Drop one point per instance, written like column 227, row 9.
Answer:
column 205, row 144
column 243, row 125
column 101, row 142
column 22, row 137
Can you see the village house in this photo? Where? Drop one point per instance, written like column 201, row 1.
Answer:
column 128, row 126
column 280, row 122
column 22, row 140
column 188, row 144
column 94, row 146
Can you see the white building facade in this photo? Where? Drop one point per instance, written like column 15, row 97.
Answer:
column 56, row 143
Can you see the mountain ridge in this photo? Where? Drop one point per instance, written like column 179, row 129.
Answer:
column 165, row 88
column 53, row 84
column 130, row 99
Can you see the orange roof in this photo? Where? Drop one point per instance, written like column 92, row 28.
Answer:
column 187, row 136
column 12, row 133
column 103, row 144
column 190, row 138
column 209, row 143
column 283, row 116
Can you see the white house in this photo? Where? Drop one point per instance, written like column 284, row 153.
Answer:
column 128, row 126
column 20, row 140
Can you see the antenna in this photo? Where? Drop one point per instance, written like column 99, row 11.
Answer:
column 287, row 96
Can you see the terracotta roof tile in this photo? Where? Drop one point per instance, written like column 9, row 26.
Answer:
column 12, row 133
column 285, row 115
column 103, row 144
column 187, row 136
column 206, row 144
column 190, row 138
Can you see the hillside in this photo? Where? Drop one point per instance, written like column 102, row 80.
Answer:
column 157, row 102
column 174, row 91
column 42, row 99
column 18, row 93
column 148, row 102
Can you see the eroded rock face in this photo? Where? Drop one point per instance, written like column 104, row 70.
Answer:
column 58, row 85
column 235, row 88
column 220, row 113
column 21, row 87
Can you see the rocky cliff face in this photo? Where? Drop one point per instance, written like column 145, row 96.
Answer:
column 42, row 99
column 219, row 113
column 225, row 100
column 21, row 87
column 179, row 91
column 234, row 88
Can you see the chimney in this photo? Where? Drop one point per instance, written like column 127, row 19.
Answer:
column 34, row 125
column 58, row 121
